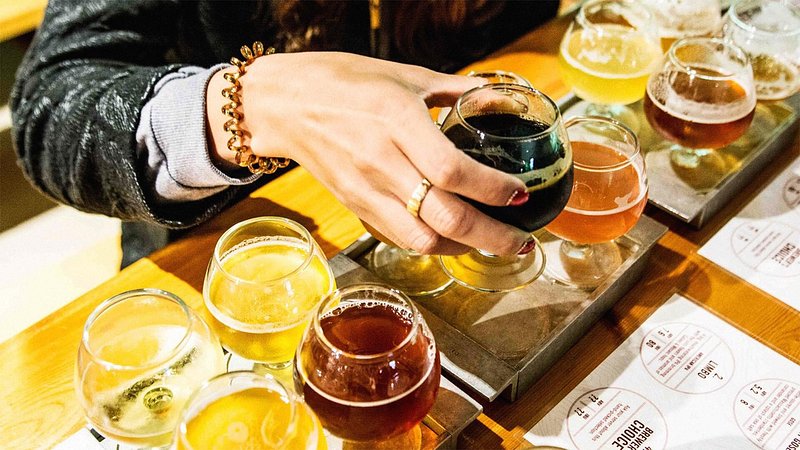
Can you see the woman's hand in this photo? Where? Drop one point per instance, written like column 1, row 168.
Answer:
column 361, row 126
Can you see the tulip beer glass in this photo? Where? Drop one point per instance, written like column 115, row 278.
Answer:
column 368, row 364
column 703, row 98
column 517, row 130
column 141, row 356
column 608, row 197
column 264, row 281
column 607, row 54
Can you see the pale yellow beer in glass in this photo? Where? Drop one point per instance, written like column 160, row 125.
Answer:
column 265, row 278
column 142, row 354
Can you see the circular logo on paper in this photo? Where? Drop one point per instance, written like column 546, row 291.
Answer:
column 687, row 358
column 615, row 418
column 768, row 411
column 791, row 194
column 768, row 247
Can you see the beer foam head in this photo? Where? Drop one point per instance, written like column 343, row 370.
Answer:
column 662, row 92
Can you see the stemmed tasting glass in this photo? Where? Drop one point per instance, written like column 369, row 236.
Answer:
column 368, row 365
column 769, row 32
column 141, row 356
column 607, row 54
column 517, row 130
column 264, row 281
column 245, row 410
column 608, row 197
column 678, row 19
column 701, row 99
column 413, row 273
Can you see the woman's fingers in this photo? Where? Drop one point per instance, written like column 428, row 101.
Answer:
column 452, row 170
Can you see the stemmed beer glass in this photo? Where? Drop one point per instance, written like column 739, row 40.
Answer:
column 414, row 273
column 517, row 130
column 769, row 32
column 368, row 365
column 245, row 410
column 607, row 54
column 608, row 197
column 266, row 277
column 141, row 356
column 701, row 99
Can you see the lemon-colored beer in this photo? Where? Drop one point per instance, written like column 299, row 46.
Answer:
column 262, row 302
column 253, row 419
column 608, row 64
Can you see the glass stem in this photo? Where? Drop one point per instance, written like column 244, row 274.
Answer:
column 576, row 251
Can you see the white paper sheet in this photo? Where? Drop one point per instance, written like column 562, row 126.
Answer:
column 684, row 380
column 762, row 243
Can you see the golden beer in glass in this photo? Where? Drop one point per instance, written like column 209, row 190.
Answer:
column 265, row 278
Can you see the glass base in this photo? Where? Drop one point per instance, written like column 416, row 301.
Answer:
column 621, row 113
column 702, row 169
column 581, row 266
column 490, row 273
column 414, row 274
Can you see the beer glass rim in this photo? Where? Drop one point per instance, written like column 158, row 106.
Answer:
column 522, row 81
column 687, row 67
column 338, row 294
column 733, row 13
column 551, row 128
column 226, row 389
column 216, row 258
column 586, row 23
column 629, row 157
column 127, row 296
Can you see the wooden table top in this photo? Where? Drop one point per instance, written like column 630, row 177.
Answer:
column 37, row 364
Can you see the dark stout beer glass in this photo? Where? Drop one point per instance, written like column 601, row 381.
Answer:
column 517, row 130
column 368, row 365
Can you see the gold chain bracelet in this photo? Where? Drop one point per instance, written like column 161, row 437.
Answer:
column 244, row 154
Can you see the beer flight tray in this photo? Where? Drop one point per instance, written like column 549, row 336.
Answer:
column 693, row 193
column 500, row 344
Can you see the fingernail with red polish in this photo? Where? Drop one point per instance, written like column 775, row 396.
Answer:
column 519, row 197
column 528, row 246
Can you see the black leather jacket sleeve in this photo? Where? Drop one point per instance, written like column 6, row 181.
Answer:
column 76, row 104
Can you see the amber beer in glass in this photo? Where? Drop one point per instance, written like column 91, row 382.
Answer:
column 703, row 98
column 368, row 365
column 608, row 197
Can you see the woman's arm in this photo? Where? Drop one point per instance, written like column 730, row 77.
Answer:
column 78, row 100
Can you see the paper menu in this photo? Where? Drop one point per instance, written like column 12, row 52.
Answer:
column 762, row 243
column 684, row 380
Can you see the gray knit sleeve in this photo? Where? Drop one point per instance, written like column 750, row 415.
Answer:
column 172, row 137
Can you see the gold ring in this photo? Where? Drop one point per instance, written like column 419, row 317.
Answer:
column 413, row 204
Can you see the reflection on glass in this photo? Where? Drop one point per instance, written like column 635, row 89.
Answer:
column 703, row 98
column 678, row 19
column 265, row 279
column 608, row 197
column 607, row 54
column 517, row 130
column 368, row 365
column 141, row 356
column 769, row 32
column 244, row 410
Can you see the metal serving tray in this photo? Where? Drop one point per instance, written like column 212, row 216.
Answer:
column 695, row 194
column 499, row 344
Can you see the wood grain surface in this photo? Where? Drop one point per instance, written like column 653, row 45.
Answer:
column 37, row 364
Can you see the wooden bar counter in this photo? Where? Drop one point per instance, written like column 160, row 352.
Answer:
column 37, row 364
